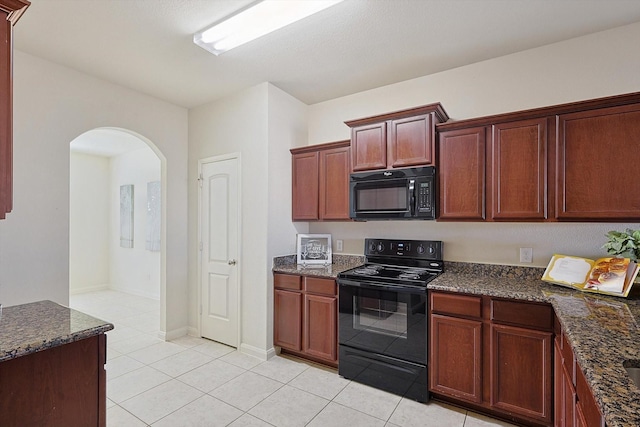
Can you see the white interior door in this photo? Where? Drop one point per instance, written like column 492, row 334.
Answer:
column 219, row 213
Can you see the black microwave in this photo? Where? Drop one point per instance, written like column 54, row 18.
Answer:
column 393, row 194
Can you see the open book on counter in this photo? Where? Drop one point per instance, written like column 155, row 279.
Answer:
column 611, row 275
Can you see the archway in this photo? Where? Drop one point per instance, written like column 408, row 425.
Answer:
column 104, row 162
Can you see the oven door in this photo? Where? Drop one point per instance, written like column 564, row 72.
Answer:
column 382, row 198
column 384, row 319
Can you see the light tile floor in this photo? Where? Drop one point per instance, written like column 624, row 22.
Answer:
column 197, row 382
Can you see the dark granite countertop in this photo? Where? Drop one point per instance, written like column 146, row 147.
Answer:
column 603, row 331
column 287, row 264
column 28, row 328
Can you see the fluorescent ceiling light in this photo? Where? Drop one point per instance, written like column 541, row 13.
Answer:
column 256, row 21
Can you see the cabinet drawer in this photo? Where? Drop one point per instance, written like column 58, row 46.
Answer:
column 586, row 402
column 287, row 281
column 320, row 286
column 527, row 314
column 456, row 304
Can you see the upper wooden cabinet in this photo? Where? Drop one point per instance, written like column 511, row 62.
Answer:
column 320, row 182
column 461, row 174
column 519, row 170
column 395, row 140
column 569, row 162
column 10, row 12
column 598, row 177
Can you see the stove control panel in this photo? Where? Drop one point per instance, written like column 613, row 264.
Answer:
column 417, row 249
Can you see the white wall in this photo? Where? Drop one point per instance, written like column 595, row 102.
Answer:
column 133, row 270
column 236, row 124
column 52, row 106
column 261, row 123
column 597, row 65
column 89, row 222
column 287, row 129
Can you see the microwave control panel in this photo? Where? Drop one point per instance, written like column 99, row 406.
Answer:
column 424, row 196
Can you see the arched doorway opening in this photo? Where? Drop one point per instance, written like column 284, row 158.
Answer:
column 117, row 229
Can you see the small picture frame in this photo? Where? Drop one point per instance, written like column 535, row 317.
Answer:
column 314, row 249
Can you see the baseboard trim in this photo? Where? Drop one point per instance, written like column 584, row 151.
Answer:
column 172, row 335
column 133, row 291
column 257, row 352
column 192, row 331
column 84, row 290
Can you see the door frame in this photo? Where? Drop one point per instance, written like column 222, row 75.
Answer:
column 201, row 163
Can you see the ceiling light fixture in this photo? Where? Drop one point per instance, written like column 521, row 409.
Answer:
column 256, row 21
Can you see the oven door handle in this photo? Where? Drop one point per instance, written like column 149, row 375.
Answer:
column 382, row 286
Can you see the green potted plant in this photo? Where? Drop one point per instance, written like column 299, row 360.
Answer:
column 624, row 244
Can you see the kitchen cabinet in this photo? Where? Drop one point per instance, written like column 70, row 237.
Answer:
column 10, row 12
column 306, row 317
column 63, row 386
column 320, row 182
column 505, row 180
column 462, row 174
column 565, row 162
column 395, row 140
column 519, row 170
column 596, row 176
column 574, row 401
column 455, row 350
column 482, row 351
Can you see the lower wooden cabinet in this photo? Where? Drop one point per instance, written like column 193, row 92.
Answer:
column 492, row 355
column 306, row 317
column 575, row 405
column 64, row 386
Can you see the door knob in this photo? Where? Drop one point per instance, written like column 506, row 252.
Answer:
column 232, row 262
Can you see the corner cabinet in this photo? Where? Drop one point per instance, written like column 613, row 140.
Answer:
column 320, row 182
column 10, row 12
column 482, row 351
column 306, row 317
column 598, row 178
column 396, row 140
column 575, row 405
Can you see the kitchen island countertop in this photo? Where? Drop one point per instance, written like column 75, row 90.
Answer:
column 29, row 328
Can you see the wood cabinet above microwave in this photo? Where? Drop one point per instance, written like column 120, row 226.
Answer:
column 396, row 140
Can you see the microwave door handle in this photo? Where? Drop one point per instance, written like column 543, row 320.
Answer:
column 412, row 196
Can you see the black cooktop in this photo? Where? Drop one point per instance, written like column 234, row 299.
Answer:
column 407, row 262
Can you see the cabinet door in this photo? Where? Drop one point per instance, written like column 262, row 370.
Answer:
column 287, row 319
column 519, row 170
column 455, row 353
column 335, row 166
column 369, row 147
column 304, row 200
column 462, row 174
column 5, row 115
column 597, row 174
column 564, row 392
column 411, row 142
column 320, row 337
column 520, row 371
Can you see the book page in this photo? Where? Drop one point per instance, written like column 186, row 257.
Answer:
column 608, row 275
column 568, row 270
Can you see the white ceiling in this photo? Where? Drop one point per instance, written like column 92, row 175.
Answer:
column 357, row 45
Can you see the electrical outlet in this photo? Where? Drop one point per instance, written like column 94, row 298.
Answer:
column 526, row 254
column 338, row 245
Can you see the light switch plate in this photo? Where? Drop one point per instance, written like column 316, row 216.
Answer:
column 338, row 245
